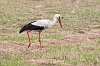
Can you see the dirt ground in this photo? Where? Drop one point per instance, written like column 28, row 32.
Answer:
column 84, row 35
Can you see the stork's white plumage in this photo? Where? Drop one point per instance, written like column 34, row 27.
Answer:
column 40, row 25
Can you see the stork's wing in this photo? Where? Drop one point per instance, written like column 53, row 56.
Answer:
column 43, row 23
column 31, row 27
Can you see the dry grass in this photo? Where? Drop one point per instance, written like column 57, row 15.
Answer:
column 77, row 44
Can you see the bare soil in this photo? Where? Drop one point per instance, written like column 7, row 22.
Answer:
column 84, row 35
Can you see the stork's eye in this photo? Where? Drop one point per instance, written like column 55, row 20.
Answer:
column 59, row 17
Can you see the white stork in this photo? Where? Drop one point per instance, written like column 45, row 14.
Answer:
column 40, row 25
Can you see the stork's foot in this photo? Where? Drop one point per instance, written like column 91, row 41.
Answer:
column 29, row 45
column 41, row 47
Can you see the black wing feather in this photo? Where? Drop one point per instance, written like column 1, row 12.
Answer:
column 31, row 27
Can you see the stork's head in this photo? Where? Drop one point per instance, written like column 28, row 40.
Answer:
column 59, row 20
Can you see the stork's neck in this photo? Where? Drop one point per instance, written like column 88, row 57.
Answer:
column 54, row 22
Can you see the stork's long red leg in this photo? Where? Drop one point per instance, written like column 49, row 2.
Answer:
column 29, row 38
column 40, row 41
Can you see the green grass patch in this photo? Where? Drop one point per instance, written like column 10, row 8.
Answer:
column 99, row 41
column 55, row 52
column 18, row 38
column 72, row 55
column 91, row 58
column 14, row 60
column 52, row 36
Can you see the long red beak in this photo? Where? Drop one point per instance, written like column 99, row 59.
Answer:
column 60, row 22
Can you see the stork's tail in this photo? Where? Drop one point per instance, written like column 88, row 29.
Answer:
column 22, row 29
column 26, row 27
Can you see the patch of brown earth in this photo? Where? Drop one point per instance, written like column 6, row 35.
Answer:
column 88, row 35
column 11, row 47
